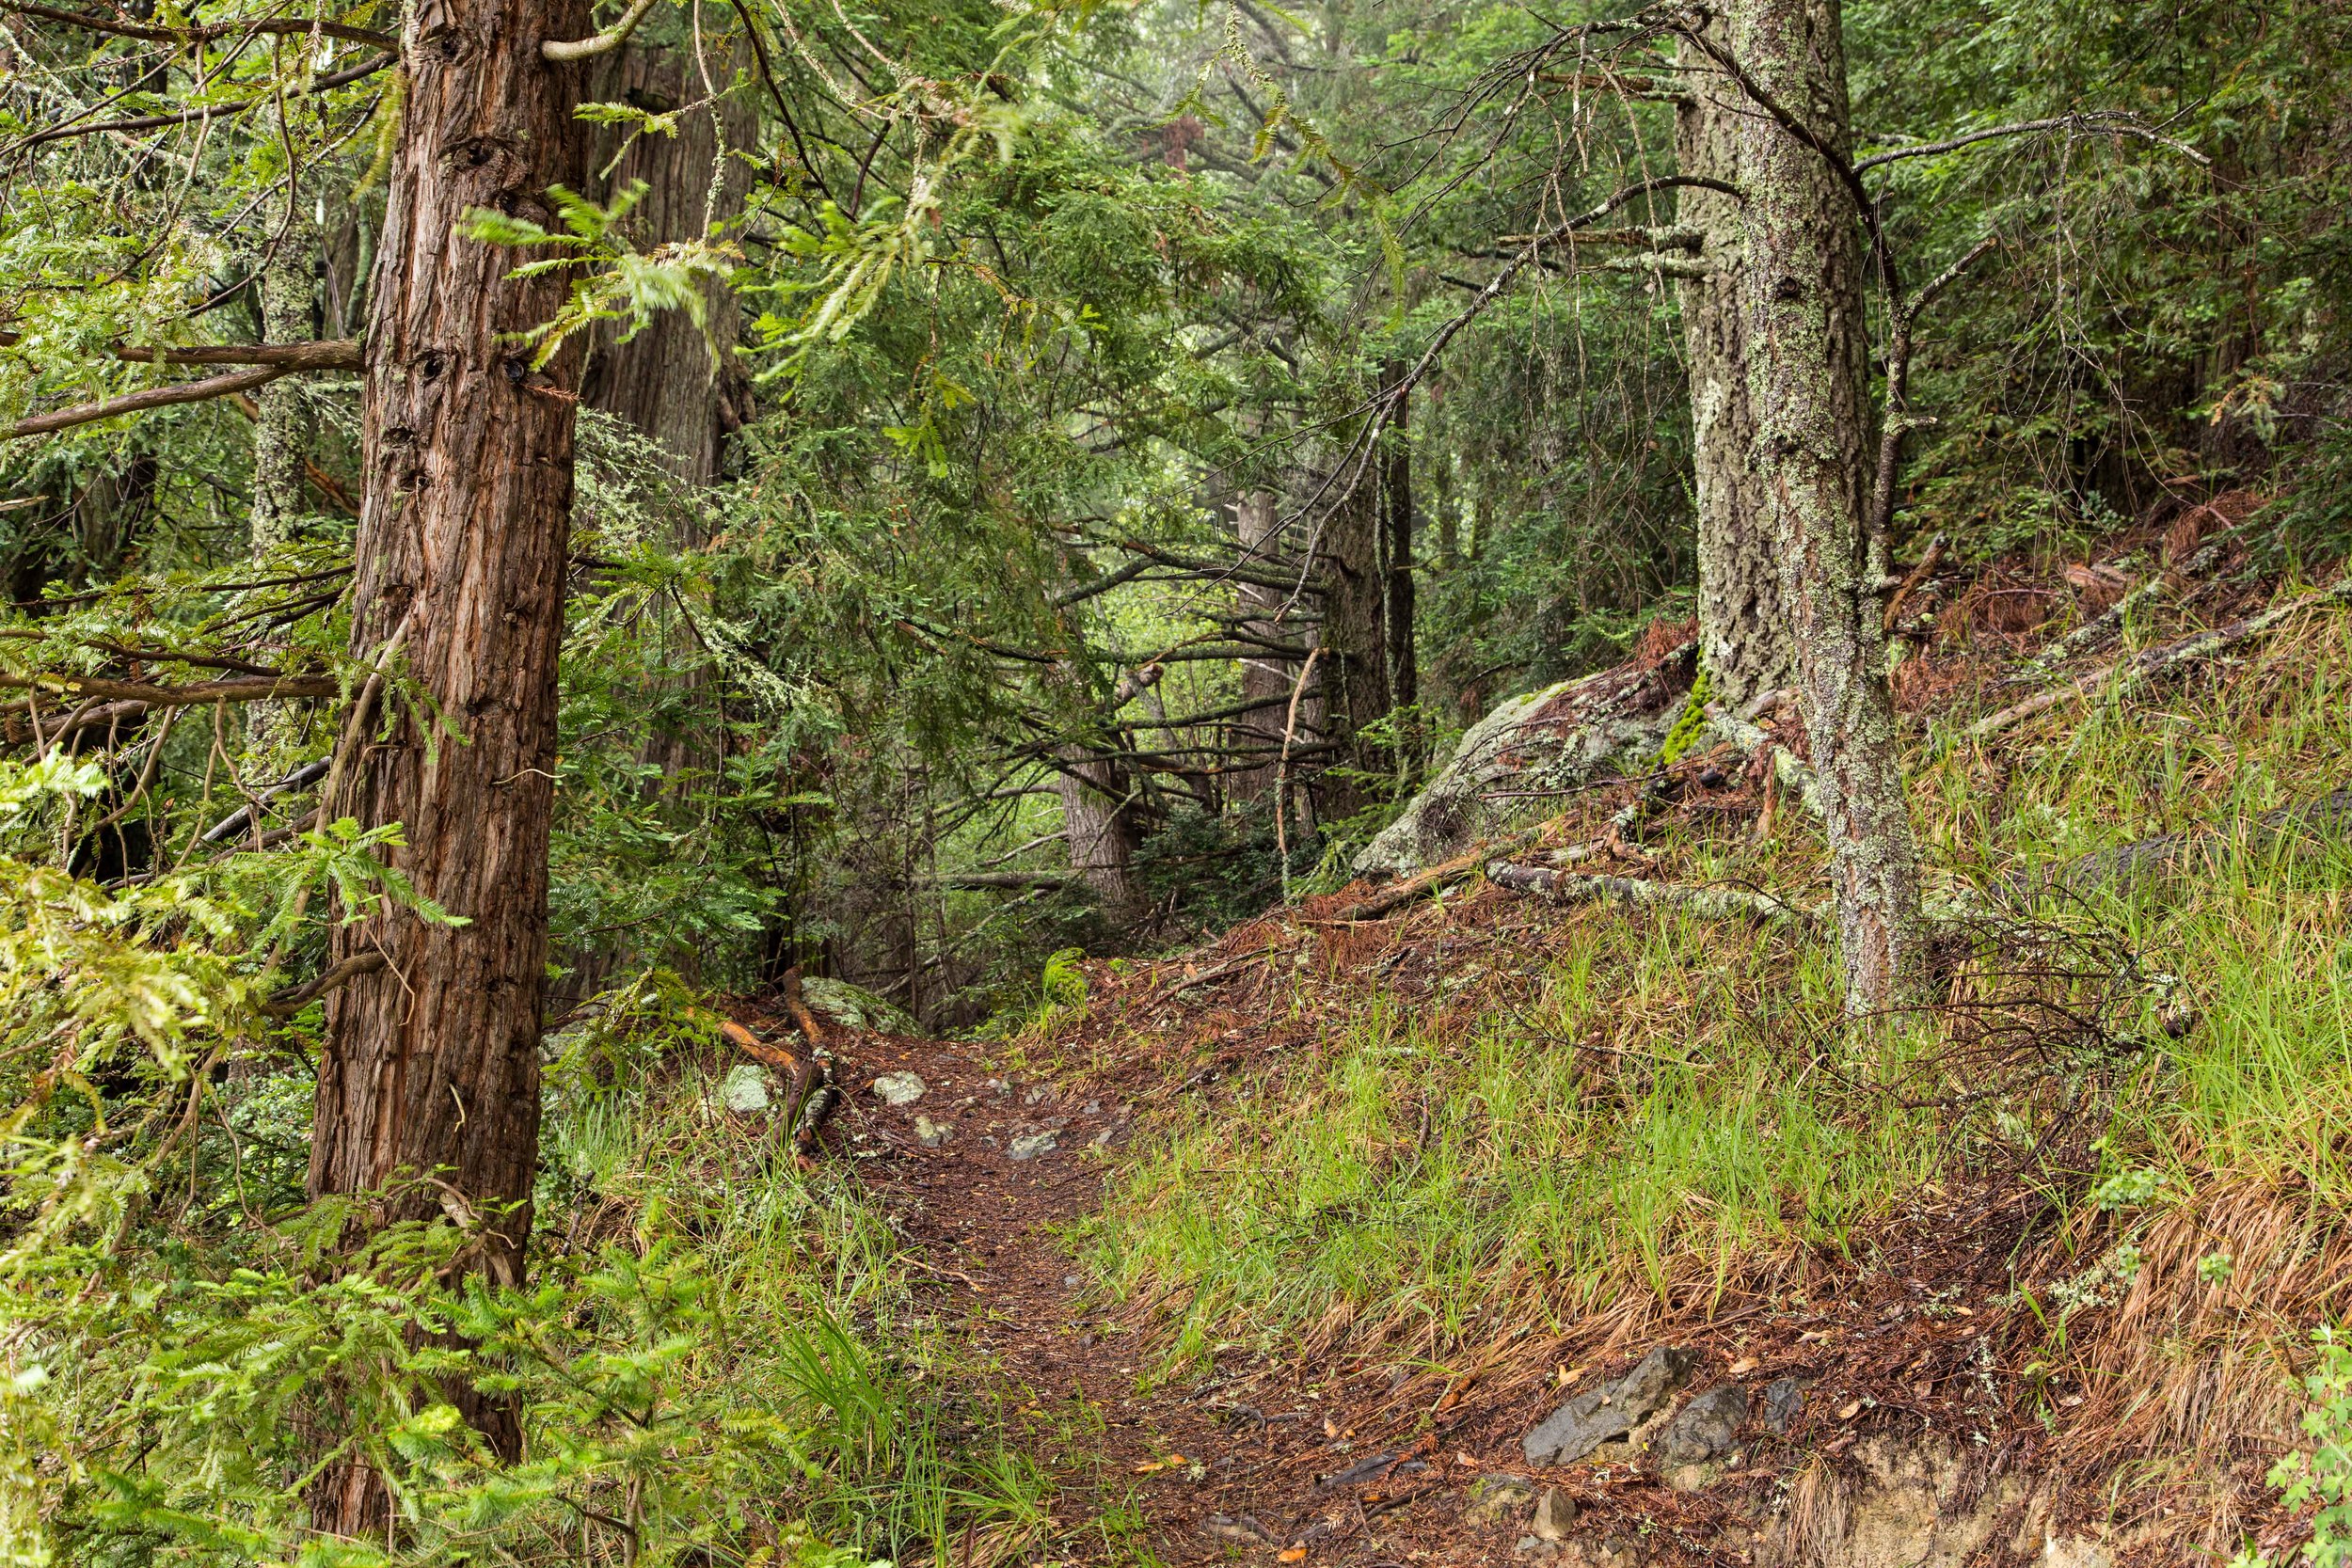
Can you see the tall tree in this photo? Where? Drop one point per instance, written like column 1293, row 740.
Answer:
column 674, row 379
column 1744, row 629
column 429, row 1086
column 1801, row 296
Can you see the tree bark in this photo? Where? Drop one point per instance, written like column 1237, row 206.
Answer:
column 280, row 437
column 1396, row 548
column 1356, row 690
column 1743, row 628
column 428, row 1088
column 1264, row 677
column 1801, row 293
column 1103, row 821
column 278, row 424
column 685, row 392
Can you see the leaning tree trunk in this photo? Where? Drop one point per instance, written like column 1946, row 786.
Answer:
column 1802, row 299
column 1744, row 631
column 428, row 1090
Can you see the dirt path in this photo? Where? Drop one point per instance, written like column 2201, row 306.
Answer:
column 1236, row 1466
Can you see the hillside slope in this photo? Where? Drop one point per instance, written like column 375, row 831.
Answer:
column 1388, row 1179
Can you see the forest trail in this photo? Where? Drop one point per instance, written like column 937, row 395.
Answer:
column 1258, row 1466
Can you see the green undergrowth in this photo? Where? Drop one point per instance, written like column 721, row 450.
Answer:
column 1658, row 1105
column 713, row 1356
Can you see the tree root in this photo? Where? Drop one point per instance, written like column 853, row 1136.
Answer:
column 811, row 1093
column 1570, row 887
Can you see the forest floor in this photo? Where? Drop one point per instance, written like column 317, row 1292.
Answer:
column 1334, row 1457
column 1274, row 1249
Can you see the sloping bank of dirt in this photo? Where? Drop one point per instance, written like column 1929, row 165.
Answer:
column 1874, row 1409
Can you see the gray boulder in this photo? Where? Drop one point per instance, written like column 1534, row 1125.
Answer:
column 1610, row 1412
column 1783, row 1399
column 1511, row 767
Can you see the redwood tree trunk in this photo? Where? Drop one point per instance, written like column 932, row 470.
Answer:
column 1744, row 629
column 667, row 381
column 1802, row 299
column 429, row 1086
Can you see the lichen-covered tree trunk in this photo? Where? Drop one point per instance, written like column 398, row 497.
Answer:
column 428, row 1088
column 1800, row 293
column 284, row 288
column 1744, row 629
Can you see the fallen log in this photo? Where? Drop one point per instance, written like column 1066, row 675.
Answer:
column 2306, row 823
column 2153, row 661
column 1715, row 902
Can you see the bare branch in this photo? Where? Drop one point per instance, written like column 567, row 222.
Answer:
column 189, row 117
column 153, row 397
column 556, row 53
column 333, row 353
column 302, row 26
column 2120, row 121
column 287, row 1004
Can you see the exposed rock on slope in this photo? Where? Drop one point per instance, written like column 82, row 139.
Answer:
column 1516, row 764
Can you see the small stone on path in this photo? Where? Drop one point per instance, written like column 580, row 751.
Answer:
column 1029, row 1146
column 899, row 1089
column 929, row 1134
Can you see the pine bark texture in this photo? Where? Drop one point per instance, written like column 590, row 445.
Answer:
column 1800, row 293
column 1743, row 628
column 429, row 1084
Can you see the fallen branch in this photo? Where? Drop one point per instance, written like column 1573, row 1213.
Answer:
column 1397, row 894
column 1790, row 771
column 2152, row 662
column 2100, row 627
column 1913, row 579
column 1570, row 887
column 811, row 1094
column 2326, row 819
